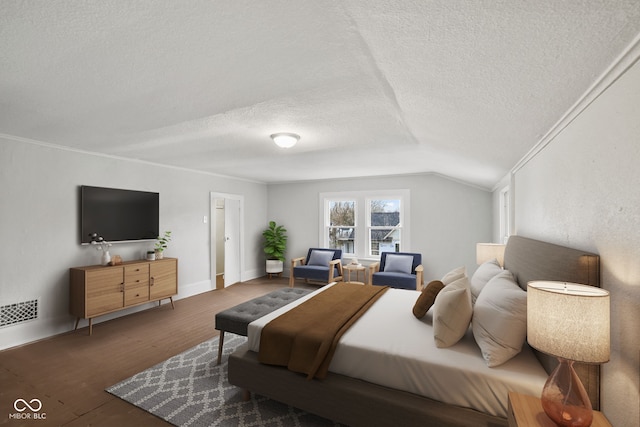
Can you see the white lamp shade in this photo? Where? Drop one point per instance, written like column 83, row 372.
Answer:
column 488, row 251
column 285, row 140
column 569, row 320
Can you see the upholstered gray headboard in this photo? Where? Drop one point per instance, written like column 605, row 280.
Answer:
column 529, row 259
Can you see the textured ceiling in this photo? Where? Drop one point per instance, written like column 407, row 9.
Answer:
column 458, row 88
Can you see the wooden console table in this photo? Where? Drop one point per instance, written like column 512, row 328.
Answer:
column 97, row 290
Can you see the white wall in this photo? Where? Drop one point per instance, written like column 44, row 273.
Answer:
column 40, row 236
column 582, row 191
column 447, row 218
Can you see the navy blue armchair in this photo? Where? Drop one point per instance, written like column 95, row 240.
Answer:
column 399, row 270
column 320, row 265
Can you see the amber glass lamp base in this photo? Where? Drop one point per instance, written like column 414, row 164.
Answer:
column 564, row 398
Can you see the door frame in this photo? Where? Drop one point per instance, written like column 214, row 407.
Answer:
column 213, row 233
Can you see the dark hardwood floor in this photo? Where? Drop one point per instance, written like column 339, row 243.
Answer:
column 68, row 373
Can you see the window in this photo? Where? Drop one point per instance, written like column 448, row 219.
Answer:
column 365, row 224
column 341, row 229
column 505, row 215
column 383, row 226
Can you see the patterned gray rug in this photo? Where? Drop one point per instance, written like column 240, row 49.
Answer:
column 191, row 390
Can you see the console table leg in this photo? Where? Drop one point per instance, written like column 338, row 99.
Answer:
column 77, row 322
column 90, row 326
column 172, row 306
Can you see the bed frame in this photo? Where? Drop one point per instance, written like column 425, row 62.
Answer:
column 359, row 403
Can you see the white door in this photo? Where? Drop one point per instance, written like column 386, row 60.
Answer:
column 231, row 241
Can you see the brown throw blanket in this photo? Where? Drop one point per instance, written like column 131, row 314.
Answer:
column 305, row 338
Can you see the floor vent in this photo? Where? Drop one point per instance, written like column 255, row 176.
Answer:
column 11, row 314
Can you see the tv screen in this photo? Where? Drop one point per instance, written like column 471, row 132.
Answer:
column 118, row 215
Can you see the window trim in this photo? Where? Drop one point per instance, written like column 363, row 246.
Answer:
column 362, row 224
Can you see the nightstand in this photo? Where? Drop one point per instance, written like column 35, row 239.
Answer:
column 526, row 411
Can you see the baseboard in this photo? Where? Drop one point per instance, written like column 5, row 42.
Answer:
column 42, row 328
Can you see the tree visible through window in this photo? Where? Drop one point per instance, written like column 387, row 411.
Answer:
column 342, row 221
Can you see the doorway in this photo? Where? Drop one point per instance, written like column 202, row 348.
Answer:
column 227, row 229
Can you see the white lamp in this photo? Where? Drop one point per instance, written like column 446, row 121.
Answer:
column 488, row 251
column 285, row 140
column 571, row 322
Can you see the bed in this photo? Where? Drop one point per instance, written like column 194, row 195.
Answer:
column 357, row 394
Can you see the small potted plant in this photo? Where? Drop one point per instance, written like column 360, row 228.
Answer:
column 275, row 245
column 162, row 243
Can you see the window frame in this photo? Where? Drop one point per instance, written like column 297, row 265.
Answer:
column 362, row 218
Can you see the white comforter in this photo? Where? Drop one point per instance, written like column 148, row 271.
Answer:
column 390, row 347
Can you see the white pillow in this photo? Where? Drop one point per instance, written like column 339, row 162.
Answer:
column 398, row 263
column 500, row 319
column 452, row 311
column 453, row 275
column 483, row 274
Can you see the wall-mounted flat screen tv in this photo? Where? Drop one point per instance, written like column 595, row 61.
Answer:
column 118, row 215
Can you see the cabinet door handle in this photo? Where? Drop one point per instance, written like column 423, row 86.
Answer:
column 152, row 280
column 137, row 280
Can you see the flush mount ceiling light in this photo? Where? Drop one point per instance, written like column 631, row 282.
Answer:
column 285, row 140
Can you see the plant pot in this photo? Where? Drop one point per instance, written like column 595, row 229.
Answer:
column 159, row 254
column 274, row 266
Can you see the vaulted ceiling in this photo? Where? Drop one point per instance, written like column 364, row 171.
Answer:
column 455, row 87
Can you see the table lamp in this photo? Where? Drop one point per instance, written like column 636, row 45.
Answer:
column 571, row 322
column 488, row 251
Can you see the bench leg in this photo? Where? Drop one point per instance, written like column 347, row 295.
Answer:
column 220, row 344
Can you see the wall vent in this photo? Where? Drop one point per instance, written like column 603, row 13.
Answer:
column 11, row 314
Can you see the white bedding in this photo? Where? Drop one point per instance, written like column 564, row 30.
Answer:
column 390, row 347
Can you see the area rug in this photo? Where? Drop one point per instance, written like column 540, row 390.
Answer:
column 189, row 389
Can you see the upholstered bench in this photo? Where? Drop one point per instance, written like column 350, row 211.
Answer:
column 236, row 319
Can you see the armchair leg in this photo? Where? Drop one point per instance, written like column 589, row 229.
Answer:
column 291, row 280
column 419, row 280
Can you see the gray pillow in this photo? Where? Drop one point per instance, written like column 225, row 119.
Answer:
column 398, row 264
column 320, row 258
column 500, row 319
column 483, row 274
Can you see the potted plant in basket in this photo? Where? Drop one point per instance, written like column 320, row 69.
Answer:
column 275, row 245
column 162, row 243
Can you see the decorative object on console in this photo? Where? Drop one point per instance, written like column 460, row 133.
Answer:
column 285, row 139
column 151, row 255
column 161, row 244
column 101, row 245
column 571, row 322
column 275, row 246
column 488, row 251
column 116, row 260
